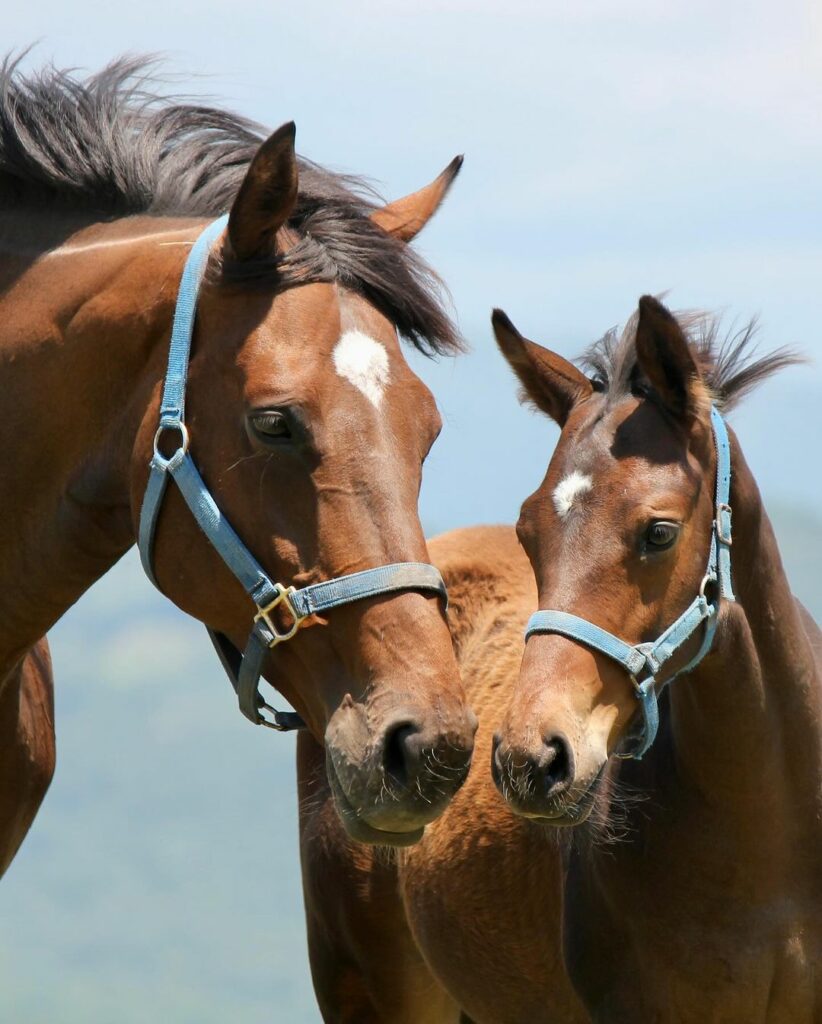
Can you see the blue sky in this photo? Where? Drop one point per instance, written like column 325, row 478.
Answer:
column 612, row 148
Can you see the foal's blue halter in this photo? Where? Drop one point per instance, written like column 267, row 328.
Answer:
column 244, row 670
column 649, row 658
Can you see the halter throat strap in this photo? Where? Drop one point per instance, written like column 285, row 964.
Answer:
column 645, row 662
column 273, row 600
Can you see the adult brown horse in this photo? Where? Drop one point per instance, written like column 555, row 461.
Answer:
column 304, row 419
column 710, row 909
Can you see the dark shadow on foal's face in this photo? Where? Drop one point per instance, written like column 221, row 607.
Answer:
column 617, row 534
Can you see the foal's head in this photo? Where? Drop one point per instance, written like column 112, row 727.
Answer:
column 618, row 533
column 310, row 430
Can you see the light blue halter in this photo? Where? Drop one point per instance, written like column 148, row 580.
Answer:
column 244, row 670
column 648, row 659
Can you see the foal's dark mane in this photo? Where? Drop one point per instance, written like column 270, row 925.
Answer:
column 113, row 145
column 727, row 360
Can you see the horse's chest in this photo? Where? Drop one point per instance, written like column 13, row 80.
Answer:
column 483, row 897
column 739, row 965
column 734, row 981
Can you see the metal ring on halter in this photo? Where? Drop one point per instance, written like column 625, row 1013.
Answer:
column 706, row 579
column 179, row 426
column 264, row 613
column 268, row 723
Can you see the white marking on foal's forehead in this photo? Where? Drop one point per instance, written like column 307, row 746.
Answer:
column 364, row 363
column 569, row 489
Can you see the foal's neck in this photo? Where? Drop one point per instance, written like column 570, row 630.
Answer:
column 86, row 310
column 745, row 725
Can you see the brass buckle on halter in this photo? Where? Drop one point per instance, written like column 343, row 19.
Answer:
column 283, row 598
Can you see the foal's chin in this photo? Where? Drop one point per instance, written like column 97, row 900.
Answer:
column 566, row 810
column 562, row 814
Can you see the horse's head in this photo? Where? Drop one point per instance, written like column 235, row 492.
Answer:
column 310, row 430
column 618, row 534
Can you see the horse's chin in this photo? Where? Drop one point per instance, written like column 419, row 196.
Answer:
column 569, row 813
column 359, row 829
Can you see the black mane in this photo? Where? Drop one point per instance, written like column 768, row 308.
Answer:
column 113, row 145
column 727, row 361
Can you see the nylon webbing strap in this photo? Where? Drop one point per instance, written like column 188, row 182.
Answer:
column 722, row 512
column 221, row 533
column 386, row 579
column 575, row 628
column 172, row 406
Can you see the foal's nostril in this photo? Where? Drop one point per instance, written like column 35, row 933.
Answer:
column 400, row 757
column 556, row 765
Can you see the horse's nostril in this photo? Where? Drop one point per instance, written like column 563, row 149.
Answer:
column 400, row 753
column 556, row 765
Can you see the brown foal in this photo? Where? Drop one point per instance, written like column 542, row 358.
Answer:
column 710, row 908
column 306, row 422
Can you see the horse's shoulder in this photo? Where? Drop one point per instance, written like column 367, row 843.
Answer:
column 491, row 592
column 483, row 564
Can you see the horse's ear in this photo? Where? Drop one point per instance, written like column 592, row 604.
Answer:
column 266, row 197
column 549, row 381
column 665, row 358
column 405, row 218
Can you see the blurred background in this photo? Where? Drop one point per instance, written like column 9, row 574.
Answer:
column 612, row 148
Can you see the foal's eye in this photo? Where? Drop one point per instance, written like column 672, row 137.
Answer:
column 661, row 535
column 272, row 425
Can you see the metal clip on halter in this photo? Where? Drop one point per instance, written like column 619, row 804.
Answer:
column 244, row 670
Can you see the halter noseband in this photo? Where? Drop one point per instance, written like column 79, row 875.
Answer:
column 648, row 659
column 244, row 669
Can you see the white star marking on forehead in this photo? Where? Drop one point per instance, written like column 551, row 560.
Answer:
column 568, row 490
column 364, row 363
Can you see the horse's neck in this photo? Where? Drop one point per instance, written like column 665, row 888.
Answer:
column 745, row 725
column 80, row 353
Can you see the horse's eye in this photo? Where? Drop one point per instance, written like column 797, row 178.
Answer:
column 271, row 424
column 661, row 535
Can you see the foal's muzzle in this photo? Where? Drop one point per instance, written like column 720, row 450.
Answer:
column 538, row 783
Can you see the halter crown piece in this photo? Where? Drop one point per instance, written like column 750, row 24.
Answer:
column 644, row 662
column 244, row 669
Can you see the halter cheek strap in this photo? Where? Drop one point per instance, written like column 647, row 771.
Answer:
column 274, row 601
column 644, row 662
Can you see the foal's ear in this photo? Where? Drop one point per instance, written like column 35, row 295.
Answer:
column 405, row 218
column 551, row 382
column 665, row 357
column 266, row 198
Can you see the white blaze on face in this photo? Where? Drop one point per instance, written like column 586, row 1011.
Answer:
column 364, row 363
column 568, row 490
